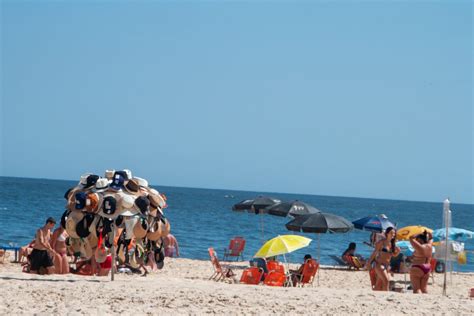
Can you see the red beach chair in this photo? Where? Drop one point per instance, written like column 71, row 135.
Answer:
column 309, row 271
column 275, row 266
column 252, row 275
column 275, row 278
column 433, row 268
column 220, row 273
column 235, row 249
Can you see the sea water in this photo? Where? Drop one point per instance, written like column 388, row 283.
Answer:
column 203, row 218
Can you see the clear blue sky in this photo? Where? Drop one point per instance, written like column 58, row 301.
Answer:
column 368, row 99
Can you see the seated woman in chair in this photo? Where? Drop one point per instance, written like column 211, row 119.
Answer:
column 351, row 258
column 260, row 263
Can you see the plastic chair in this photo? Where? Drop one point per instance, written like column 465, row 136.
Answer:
column 275, row 266
column 235, row 249
column 275, row 278
column 433, row 263
column 251, row 275
column 310, row 269
column 220, row 273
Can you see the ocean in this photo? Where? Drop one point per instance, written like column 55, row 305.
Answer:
column 202, row 218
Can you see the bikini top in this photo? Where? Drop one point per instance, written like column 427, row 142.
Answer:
column 386, row 250
column 61, row 238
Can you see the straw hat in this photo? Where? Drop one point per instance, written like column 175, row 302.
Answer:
column 71, row 222
column 141, row 182
column 129, row 226
column 132, row 187
column 140, row 229
column 109, row 174
column 127, row 201
column 156, row 200
column 155, row 230
column 83, row 179
column 101, row 185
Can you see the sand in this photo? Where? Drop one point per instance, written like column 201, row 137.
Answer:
column 183, row 287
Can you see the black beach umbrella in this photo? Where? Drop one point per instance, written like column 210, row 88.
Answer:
column 292, row 208
column 320, row 223
column 256, row 204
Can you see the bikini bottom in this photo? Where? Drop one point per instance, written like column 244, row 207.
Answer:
column 426, row 267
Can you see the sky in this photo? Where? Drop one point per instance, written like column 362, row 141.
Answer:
column 360, row 99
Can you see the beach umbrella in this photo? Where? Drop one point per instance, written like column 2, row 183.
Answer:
column 456, row 234
column 404, row 233
column 256, row 206
column 320, row 223
column 406, row 248
column 281, row 245
column 373, row 223
column 292, row 208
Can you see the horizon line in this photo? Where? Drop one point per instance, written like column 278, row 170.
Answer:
column 240, row 190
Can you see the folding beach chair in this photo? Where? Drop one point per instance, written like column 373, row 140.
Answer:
column 275, row 266
column 220, row 273
column 252, row 275
column 353, row 262
column 235, row 249
column 275, row 278
column 309, row 271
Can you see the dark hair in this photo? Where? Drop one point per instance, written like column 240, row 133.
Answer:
column 423, row 237
column 352, row 246
column 50, row 220
column 307, row 256
column 392, row 242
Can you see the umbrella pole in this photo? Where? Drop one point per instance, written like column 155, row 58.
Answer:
column 446, row 260
column 112, row 271
column 319, row 255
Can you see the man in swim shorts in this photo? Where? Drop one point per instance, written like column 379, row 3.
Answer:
column 42, row 254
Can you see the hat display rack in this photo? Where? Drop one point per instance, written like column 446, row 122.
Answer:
column 105, row 214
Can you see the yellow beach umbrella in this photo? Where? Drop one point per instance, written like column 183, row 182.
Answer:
column 281, row 245
column 405, row 232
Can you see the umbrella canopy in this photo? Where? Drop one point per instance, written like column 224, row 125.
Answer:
column 256, row 204
column 373, row 223
column 281, row 245
column 406, row 232
column 293, row 208
column 406, row 248
column 320, row 223
column 457, row 234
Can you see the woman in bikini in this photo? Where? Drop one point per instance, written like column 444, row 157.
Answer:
column 58, row 243
column 384, row 250
column 421, row 267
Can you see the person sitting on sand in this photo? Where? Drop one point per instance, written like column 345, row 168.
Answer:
column 171, row 246
column 58, row 242
column 351, row 258
column 383, row 252
column 42, row 253
column 296, row 274
column 421, row 259
column 25, row 251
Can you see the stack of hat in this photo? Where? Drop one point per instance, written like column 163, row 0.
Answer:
column 120, row 205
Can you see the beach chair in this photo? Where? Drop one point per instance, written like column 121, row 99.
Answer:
column 433, row 263
column 353, row 262
column 275, row 278
column 220, row 273
column 252, row 275
column 275, row 266
column 310, row 269
column 235, row 249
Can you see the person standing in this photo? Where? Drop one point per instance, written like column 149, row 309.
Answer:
column 384, row 250
column 421, row 261
column 42, row 254
column 171, row 246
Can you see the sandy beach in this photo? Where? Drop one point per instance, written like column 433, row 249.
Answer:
column 182, row 287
